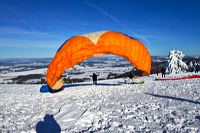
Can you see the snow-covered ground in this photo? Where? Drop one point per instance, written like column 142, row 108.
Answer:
column 14, row 74
column 4, row 78
column 109, row 66
column 111, row 106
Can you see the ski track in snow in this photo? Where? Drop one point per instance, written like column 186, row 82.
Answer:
column 154, row 106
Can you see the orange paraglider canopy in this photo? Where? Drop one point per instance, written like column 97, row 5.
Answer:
column 79, row 48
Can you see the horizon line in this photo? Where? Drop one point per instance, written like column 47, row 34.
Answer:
column 86, row 59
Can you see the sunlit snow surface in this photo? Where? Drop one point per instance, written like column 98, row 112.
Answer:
column 111, row 106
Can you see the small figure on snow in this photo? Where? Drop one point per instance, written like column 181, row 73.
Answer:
column 131, row 74
column 136, row 73
column 197, row 68
column 94, row 78
column 163, row 70
column 42, row 80
column 157, row 71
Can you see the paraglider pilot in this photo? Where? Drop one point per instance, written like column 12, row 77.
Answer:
column 94, row 78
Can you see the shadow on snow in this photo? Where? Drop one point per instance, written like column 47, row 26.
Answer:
column 174, row 98
column 99, row 84
column 46, row 88
column 49, row 125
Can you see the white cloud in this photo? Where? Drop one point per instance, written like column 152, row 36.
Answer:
column 10, row 30
column 113, row 18
column 13, row 43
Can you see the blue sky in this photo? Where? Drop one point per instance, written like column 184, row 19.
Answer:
column 36, row 28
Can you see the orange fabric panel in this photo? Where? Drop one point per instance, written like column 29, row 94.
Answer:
column 71, row 53
column 79, row 48
column 118, row 44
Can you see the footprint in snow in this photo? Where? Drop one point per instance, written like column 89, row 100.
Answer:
column 68, row 116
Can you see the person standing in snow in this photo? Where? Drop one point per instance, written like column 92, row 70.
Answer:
column 42, row 80
column 157, row 71
column 94, row 78
column 197, row 68
column 163, row 71
column 131, row 74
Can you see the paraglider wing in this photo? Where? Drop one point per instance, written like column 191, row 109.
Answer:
column 79, row 48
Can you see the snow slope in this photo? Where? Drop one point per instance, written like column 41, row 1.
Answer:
column 14, row 74
column 111, row 106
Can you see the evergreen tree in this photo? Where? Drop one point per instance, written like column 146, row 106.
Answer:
column 175, row 63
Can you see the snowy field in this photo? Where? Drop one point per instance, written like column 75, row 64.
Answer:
column 111, row 106
column 24, row 71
